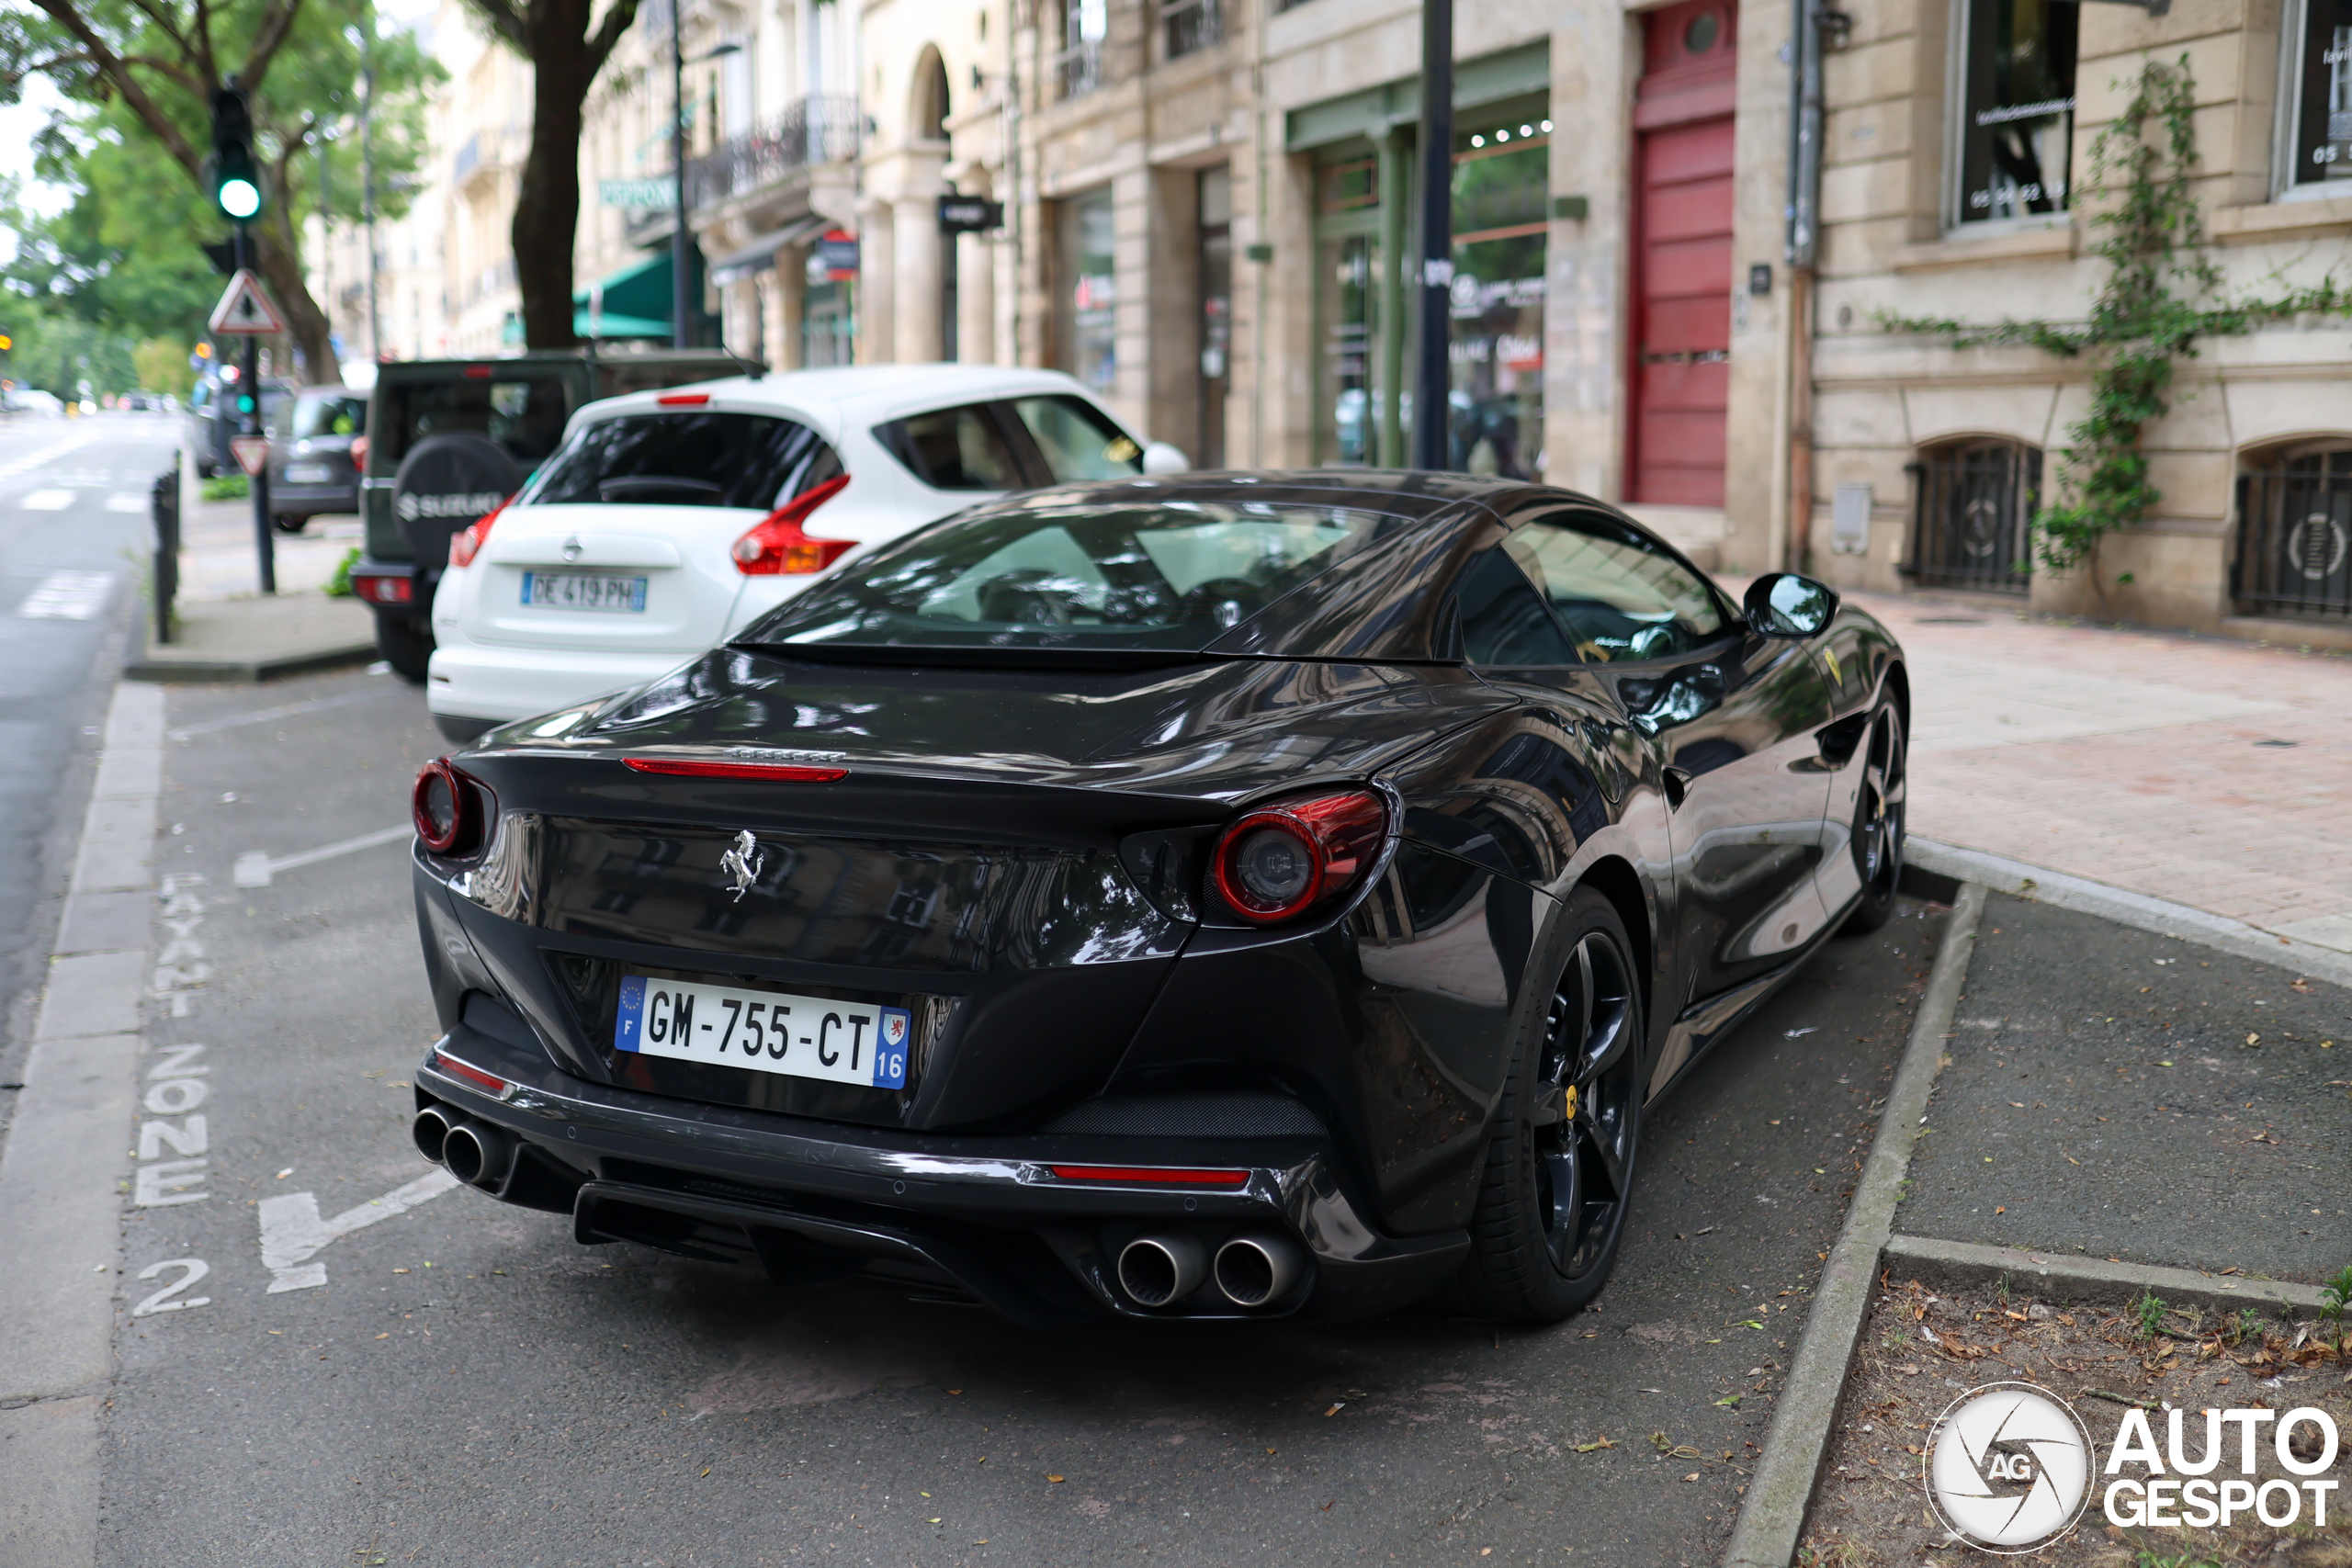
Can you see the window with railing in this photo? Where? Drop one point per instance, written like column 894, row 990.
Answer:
column 814, row 130
column 2294, row 555
column 1078, row 67
column 1190, row 25
column 1974, row 527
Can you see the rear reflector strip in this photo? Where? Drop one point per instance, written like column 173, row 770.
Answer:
column 1150, row 1175
column 776, row 773
column 467, row 1073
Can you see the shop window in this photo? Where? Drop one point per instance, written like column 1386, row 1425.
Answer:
column 1501, row 178
column 1974, row 525
column 2318, row 98
column 1087, row 296
column 2016, row 108
column 2294, row 547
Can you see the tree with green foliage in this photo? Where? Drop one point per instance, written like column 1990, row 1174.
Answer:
column 138, row 77
column 162, row 367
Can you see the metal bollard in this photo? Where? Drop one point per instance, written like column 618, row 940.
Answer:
column 165, row 503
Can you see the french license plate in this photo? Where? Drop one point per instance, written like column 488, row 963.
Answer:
column 583, row 590
column 765, row 1031
column 306, row 473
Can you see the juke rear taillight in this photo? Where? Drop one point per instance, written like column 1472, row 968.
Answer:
column 452, row 809
column 1281, row 859
column 778, row 546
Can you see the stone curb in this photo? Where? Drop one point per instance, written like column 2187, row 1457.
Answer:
column 2091, row 1279
column 248, row 671
column 1772, row 1518
column 2125, row 907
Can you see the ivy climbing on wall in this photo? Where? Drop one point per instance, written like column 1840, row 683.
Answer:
column 2162, row 293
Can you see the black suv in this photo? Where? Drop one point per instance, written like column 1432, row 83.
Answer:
column 448, row 439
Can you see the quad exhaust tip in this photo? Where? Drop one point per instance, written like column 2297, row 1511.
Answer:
column 431, row 1131
column 477, row 1155
column 1158, row 1269
column 1258, row 1267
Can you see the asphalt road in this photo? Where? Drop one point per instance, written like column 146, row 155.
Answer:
column 2130, row 1095
column 74, row 530
column 470, row 1386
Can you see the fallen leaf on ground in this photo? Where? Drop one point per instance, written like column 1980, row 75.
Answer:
column 1581, row 1448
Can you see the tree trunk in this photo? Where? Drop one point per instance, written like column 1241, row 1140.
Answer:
column 281, row 271
column 547, row 204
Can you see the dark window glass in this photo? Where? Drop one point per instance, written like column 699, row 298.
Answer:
column 2322, row 64
column 2016, row 108
column 330, row 414
column 1503, row 619
column 1086, row 295
column 1621, row 595
column 1077, row 441
column 953, row 450
column 1158, row 578
column 754, row 461
column 525, row 415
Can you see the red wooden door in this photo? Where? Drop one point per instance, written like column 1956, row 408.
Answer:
column 1682, row 256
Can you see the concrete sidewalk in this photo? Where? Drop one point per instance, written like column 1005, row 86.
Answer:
column 2215, row 774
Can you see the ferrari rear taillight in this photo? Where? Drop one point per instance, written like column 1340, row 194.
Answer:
column 778, row 546
column 463, row 547
column 1281, row 859
column 450, row 808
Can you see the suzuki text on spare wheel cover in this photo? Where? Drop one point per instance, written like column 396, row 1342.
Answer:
column 1187, row 898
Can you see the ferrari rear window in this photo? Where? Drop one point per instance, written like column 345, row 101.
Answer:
column 754, row 461
column 1172, row 577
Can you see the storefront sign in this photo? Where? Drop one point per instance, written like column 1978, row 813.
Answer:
column 969, row 214
column 644, row 195
column 837, row 254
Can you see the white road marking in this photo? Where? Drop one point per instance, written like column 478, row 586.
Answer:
column 46, row 500
column 255, row 868
column 127, row 501
column 161, row 1300
column 287, row 710
column 68, row 596
column 42, row 457
column 180, row 968
column 292, row 1232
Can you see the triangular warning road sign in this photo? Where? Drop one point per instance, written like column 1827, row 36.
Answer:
column 244, row 310
column 251, row 452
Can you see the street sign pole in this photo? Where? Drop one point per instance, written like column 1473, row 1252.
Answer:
column 264, row 539
column 1431, row 385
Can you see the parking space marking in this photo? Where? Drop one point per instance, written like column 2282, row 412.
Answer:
column 68, row 596
column 254, row 867
column 46, row 500
column 292, row 1232
column 285, row 710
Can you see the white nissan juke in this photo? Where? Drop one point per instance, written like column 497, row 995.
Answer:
column 667, row 521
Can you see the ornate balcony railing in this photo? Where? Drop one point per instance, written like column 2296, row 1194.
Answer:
column 1077, row 69
column 1192, row 25
column 811, row 131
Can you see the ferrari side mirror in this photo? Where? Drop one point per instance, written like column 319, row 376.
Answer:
column 1781, row 604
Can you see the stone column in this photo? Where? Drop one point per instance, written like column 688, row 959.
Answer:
column 976, row 299
column 917, row 246
column 878, row 337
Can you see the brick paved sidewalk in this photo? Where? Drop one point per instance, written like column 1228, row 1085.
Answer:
column 2213, row 773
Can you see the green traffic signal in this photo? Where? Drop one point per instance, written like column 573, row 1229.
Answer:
column 235, row 176
column 239, row 198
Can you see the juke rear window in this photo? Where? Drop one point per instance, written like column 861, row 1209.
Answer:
column 703, row 458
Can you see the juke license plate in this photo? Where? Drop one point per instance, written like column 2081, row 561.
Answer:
column 764, row 1031
column 583, row 590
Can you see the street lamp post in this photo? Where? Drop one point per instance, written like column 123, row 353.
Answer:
column 1431, row 386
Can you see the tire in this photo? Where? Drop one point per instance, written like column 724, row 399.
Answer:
column 407, row 646
column 1879, row 819
column 1552, row 1204
column 287, row 522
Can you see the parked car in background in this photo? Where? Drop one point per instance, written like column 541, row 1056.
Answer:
column 213, row 416
column 416, row 491
column 311, row 468
column 34, row 401
column 668, row 520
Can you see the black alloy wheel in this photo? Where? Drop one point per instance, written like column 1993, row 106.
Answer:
column 1879, row 820
column 1560, row 1166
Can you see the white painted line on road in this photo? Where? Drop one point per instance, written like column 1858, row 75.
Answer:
column 255, row 868
column 68, row 596
column 292, row 1232
column 287, row 710
column 127, row 501
column 41, row 457
column 46, row 500
column 197, row 1268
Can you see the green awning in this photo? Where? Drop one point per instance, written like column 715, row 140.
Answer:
column 609, row 325
column 641, row 292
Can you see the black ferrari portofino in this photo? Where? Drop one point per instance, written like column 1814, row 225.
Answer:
column 1185, row 896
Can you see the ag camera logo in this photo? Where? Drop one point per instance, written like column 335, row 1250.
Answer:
column 2008, row 1467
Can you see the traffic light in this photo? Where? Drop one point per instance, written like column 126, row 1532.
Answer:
column 236, row 177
